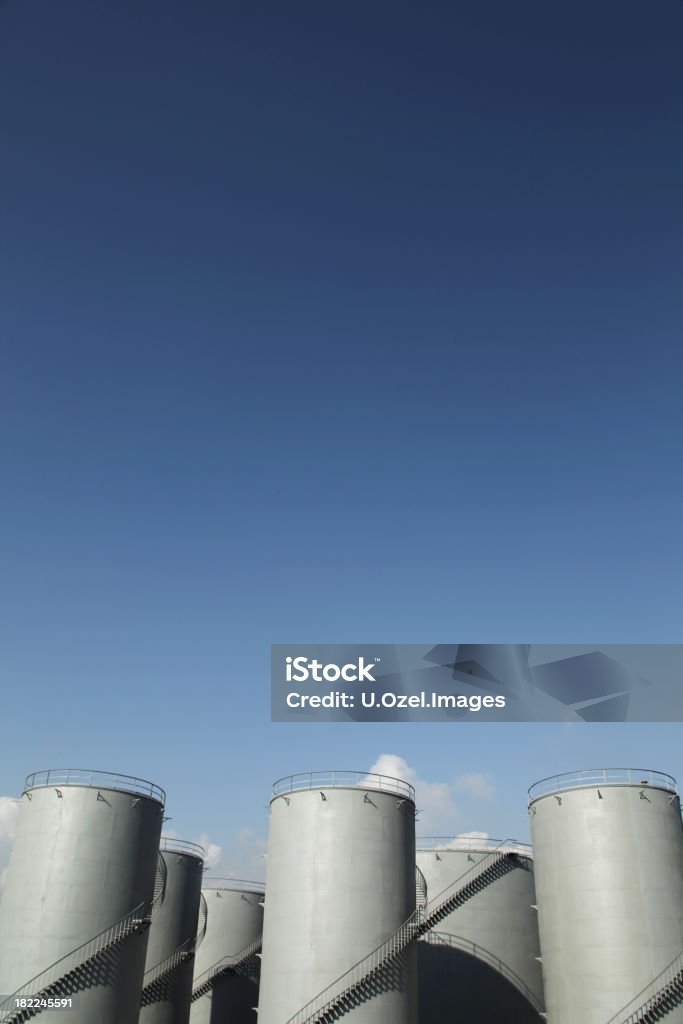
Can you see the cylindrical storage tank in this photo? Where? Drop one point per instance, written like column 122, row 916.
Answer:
column 167, row 985
column 225, row 987
column 340, row 882
column 78, row 894
column 481, row 962
column 608, row 853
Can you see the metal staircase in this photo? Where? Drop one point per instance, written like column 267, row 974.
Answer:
column 202, row 921
column 166, row 967
column 467, row 946
column 339, row 996
column 420, row 889
column 246, row 963
column 185, row 951
column 54, row 981
column 159, row 883
column 656, row 1000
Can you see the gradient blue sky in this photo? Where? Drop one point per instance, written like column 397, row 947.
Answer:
column 330, row 322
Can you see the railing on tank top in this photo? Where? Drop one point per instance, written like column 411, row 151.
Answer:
column 343, row 780
column 603, row 777
column 243, row 885
column 467, row 946
column 419, row 922
column 94, row 779
column 170, row 845
column 470, row 844
column 635, row 1011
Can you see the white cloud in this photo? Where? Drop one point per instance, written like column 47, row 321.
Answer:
column 213, row 853
column 437, row 801
column 475, row 784
column 9, row 811
column 434, row 800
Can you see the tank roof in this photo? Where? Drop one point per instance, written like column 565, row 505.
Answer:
column 60, row 777
column 449, row 844
column 592, row 777
column 169, row 844
column 343, row 779
column 234, row 884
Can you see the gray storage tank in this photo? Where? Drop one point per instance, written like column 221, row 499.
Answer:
column 167, row 985
column 608, row 852
column 481, row 961
column 78, row 894
column 224, row 987
column 340, row 883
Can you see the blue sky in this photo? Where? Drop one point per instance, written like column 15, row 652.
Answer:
column 330, row 323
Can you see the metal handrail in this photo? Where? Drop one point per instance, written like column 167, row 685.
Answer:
column 421, row 891
column 472, row 843
column 647, row 998
column 94, row 779
column 202, row 920
column 160, row 880
column 53, row 974
column 168, row 844
column 419, row 922
column 603, row 777
column 491, row 857
column 226, row 963
column 343, row 780
column 444, row 939
column 236, row 885
column 169, row 963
